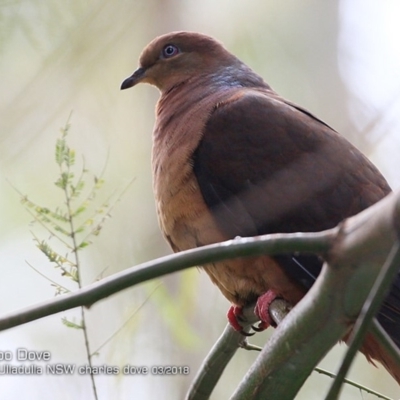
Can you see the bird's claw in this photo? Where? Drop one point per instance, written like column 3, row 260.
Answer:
column 262, row 310
column 262, row 326
column 234, row 316
column 236, row 320
column 247, row 334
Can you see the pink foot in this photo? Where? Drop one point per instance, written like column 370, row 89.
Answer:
column 262, row 310
column 234, row 315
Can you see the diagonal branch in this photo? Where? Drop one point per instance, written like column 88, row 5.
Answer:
column 369, row 310
column 225, row 348
column 326, row 314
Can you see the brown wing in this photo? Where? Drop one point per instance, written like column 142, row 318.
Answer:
column 266, row 166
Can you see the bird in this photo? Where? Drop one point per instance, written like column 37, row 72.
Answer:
column 231, row 157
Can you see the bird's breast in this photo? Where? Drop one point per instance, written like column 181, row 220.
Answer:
column 183, row 215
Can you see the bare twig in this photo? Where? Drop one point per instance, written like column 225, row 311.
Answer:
column 137, row 309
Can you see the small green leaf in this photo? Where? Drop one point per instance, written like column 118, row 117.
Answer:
column 79, row 210
column 60, row 215
column 77, row 189
column 60, row 151
column 60, row 289
column 98, row 183
column 63, row 180
column 96, row 231
column 82, row 245
column 71, row 324
column 58, row 228
column 89, row 222
column 74, row 274
column 80, row 229
column 70, row 157
column 52, row 255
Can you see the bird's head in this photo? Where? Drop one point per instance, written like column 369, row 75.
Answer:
column 177, row 57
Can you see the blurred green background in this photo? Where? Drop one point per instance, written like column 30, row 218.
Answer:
column 339, row 59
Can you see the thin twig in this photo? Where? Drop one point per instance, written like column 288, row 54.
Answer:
column 109, row 209
column 126, row 322
column 352, row 383
column 78, row 267
column 253, row 347
column 37, row 219
column 50, row 280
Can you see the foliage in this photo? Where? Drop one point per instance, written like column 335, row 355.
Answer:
column 78, row 220
column 73, row 224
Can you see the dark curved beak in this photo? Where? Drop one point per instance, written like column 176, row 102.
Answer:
column 134, row 79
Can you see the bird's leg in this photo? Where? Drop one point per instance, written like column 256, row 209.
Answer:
column 235, row 316
column 262, row 311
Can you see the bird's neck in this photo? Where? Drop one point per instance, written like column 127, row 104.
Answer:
column 180, row 102
column 237, row 75
column 188, row 92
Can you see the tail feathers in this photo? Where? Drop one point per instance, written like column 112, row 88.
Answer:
column 389, row 318
column 375, row 352
column 389, row 314
column 304, row 268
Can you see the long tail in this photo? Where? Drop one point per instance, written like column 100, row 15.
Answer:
column 304, row 268
column 389, row 318
column 375, row 352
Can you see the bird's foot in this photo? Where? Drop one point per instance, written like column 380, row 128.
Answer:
column 262, row 311
column 235, row 316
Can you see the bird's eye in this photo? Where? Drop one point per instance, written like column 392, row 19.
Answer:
column 169, row 51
